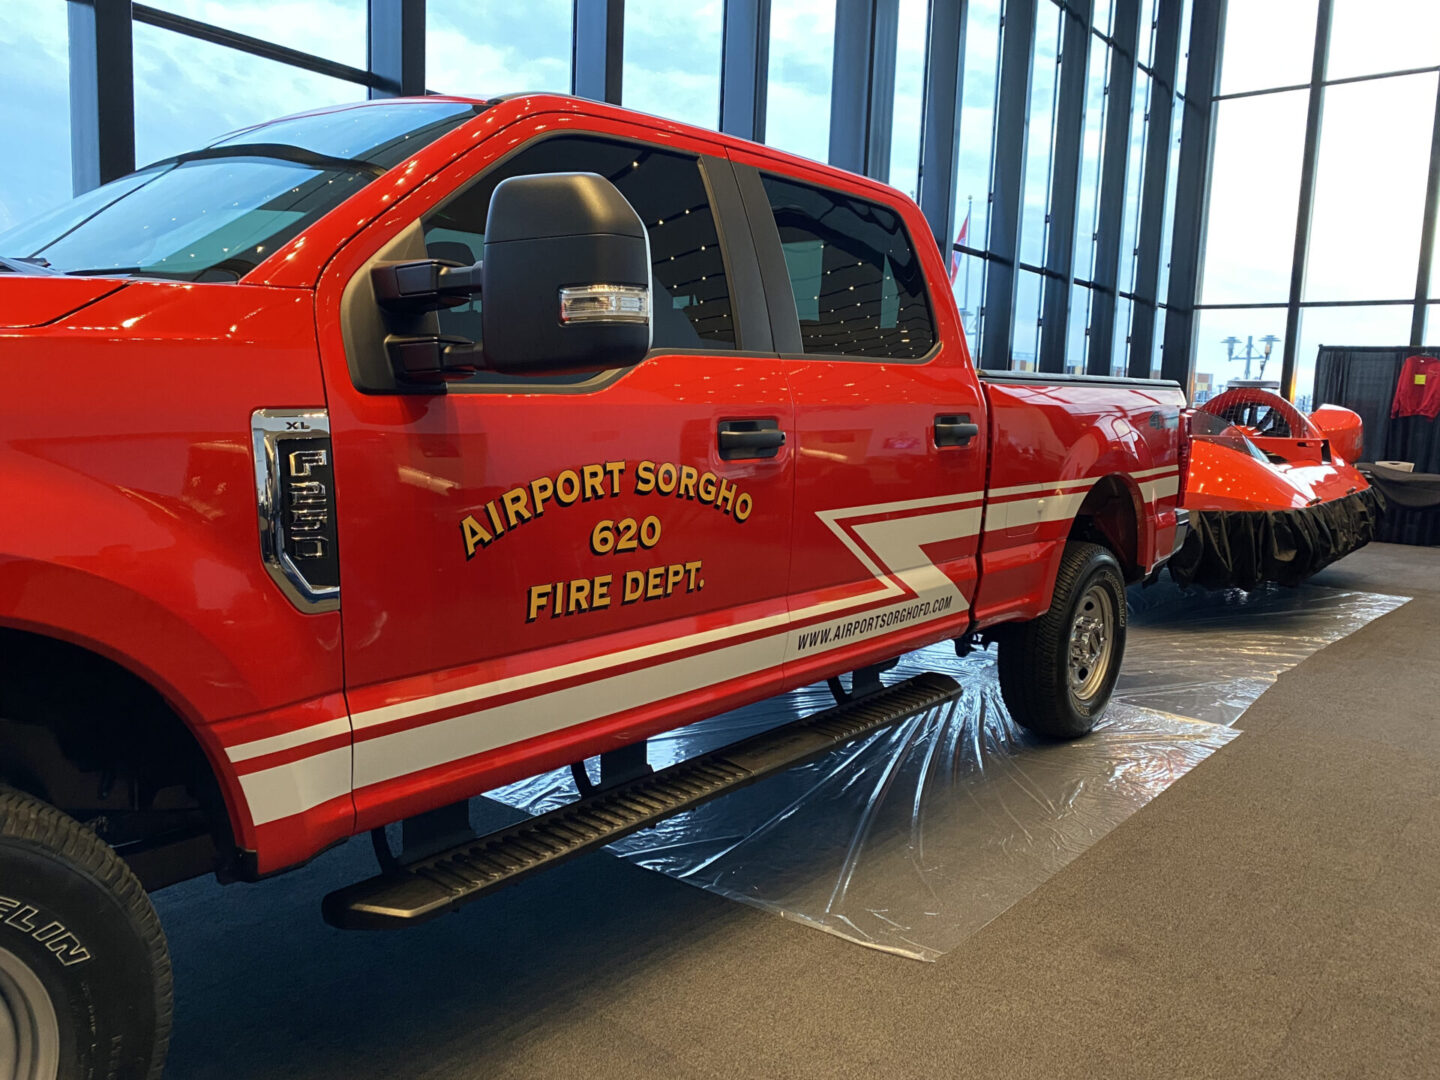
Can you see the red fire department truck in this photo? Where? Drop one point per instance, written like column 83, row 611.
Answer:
column 365, row 460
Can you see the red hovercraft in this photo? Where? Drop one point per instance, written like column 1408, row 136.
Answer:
column 1272, row 494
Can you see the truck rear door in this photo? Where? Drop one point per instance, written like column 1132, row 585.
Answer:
column 889, row 427
column 537, row 569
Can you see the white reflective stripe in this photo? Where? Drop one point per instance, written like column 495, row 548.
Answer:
column 389, row 713
column 897, row 545
column 893, row 540
column 1163, row 488
column 1023, row 513
column 399, row 753
column 299, row 737
column 297, row 786
column 1143, row 473
column 1052, row 485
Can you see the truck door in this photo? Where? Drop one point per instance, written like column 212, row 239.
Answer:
column 534, row 570
column 889, row 424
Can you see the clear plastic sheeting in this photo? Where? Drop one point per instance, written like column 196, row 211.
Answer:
column 914, row 837
column 1208, row 655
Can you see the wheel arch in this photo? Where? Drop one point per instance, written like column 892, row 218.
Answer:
column 1113, row 516
column 113, row 747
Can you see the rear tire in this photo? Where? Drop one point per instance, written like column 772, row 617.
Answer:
column 1057, row 671
column 85, row 985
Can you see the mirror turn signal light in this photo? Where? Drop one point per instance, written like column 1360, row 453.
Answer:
column 605, row 304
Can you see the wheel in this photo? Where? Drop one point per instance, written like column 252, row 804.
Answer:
column 1057, row 671
column 84, row 972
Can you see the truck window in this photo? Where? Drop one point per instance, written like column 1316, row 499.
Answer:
column 689, row 292
column 214, row 214
column 859, row 289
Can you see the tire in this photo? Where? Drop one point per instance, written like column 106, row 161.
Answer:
column 85, row 987
column 1044, row 692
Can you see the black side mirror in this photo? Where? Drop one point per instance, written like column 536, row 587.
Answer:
column 566, row 277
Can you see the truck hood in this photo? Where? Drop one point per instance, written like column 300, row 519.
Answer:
column 34, row 301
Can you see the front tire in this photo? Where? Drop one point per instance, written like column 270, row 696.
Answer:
column 84, row 973
column 1057, row 671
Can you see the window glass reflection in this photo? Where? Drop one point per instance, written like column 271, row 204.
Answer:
column 797, row 97
column 334, row 29
column 909, row 95
column 1370, row 189
column 672, row 60
column 1254, row 193
column 35, row 117
column 1267, row 43
column 495, row 48
column 189, row 92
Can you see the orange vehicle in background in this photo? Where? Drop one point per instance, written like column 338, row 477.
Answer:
column 1273, row 494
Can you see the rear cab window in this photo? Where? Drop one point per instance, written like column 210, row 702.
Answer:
column 856, row 277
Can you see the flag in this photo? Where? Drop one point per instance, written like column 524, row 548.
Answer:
column 955, row 255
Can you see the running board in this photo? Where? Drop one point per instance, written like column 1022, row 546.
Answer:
column 449, row 879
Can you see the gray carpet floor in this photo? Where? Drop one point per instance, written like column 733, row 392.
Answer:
column 1276, row 913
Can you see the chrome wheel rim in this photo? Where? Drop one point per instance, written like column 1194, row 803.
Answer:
column 1092, row 640
column 29, row 1031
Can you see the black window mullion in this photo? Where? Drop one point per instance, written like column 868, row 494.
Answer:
column 744, row 63
column 102, row 93
column 940, row 109
column 1207, row 27
column 1017, row 59
column 395, row 42
column 1115, row 155
column 598, row 50
column 1152, row 196
column 1313, row 118
column 1065, row 183
column 1427, row 234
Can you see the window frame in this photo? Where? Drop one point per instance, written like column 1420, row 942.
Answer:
column 780, row 296
column 731, row 230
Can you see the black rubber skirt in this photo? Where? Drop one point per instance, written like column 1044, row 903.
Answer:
column 1240, row 549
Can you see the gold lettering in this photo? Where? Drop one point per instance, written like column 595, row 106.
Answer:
column 707, row 487
column 688, row 476
column 654, row 582
column 602, row 592
column 743, row 505
column 666, row 478
column 634, row 586
column 541, row 488
column 517, row 506
column 579, row 596
column 725, row 500
column 615, row 469
column 539, row 597
column 474, row 534
column 644, row 478
column 594, row 481
column 567, row 487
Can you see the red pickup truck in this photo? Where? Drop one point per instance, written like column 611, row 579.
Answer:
column 366, row 460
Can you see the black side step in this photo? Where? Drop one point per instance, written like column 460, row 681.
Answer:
column 449, row 879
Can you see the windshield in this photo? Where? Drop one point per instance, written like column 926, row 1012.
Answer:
column 216, row 213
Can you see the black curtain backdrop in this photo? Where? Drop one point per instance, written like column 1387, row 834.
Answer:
column 1364, row 379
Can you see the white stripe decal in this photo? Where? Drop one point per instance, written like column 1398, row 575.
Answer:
column 1161, row 489
column 299, row 737
column 897, row 545
column 388, row 713
column 299, row 786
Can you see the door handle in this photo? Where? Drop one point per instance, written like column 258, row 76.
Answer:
column 955, row 430
column 745, row 439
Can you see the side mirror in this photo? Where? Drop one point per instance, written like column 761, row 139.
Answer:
column 566, row 277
